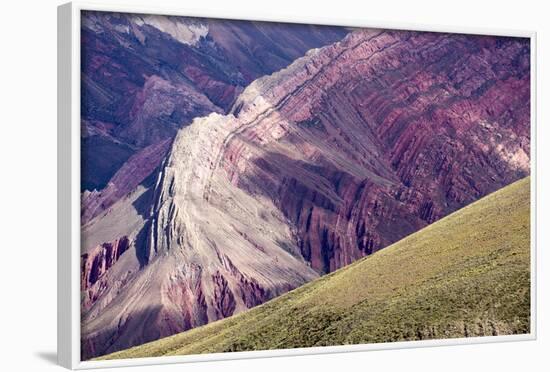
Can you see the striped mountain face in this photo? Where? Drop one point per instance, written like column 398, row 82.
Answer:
column 279, row 179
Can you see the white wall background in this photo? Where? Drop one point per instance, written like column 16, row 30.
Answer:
column 28, row 183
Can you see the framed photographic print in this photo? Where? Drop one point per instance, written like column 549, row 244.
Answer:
column 236, row 186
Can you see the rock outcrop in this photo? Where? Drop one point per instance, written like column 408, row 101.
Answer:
column 349, row 149
column 95, row 263
column 100, row 259
column 146, row 76
column 199, row 261
column 364, row 142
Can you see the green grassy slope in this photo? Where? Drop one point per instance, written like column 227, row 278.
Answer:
column 465, row 275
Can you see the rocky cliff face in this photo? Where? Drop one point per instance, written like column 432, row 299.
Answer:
column 146, row 76
column 362, row 143
column 95, row 263
column 143, row 78
column 347, row 150
column 198, row 260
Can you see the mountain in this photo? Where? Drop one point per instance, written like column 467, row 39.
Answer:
column 146, row 76
column 347, row 150
column 466, row 275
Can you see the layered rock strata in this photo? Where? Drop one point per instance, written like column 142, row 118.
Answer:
column 146, row 76
column 347, row 150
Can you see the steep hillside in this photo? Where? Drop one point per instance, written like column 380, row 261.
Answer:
column 344, row 152
column 465, row 275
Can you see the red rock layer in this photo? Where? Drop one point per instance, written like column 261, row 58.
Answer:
column 188, row 296
column 377, row 136
column 100, row 259
column 94, row 265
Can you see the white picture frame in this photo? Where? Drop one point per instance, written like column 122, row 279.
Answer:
column 68, row 256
